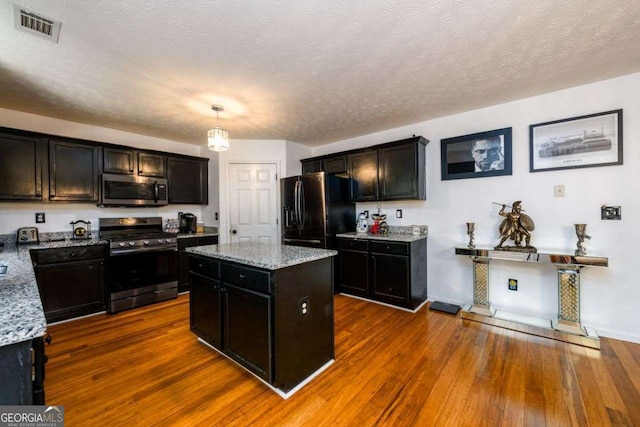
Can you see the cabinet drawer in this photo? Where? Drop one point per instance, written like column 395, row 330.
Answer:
column 74, row 253
column 389, row 248
column 247, row 278
column 188, row 242
column 353, row 244
column 204, row 266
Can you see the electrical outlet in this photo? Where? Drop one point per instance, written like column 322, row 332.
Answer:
column 303, row 306
column 398, row 213
column 40, row 218
column 216, row 216
column 366, row 214
column 513, row 284
column 558, row 190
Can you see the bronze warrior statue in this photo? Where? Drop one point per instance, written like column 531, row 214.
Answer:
column 516, row 226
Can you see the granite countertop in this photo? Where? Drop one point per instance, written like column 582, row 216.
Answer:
column 262, row 255
column 392, row 237
column 21, row 313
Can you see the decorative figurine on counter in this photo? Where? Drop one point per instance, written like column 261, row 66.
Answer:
column 470, row 228
column 379, row 225
column 516, row 226
column 581, row 232
column 361, row 225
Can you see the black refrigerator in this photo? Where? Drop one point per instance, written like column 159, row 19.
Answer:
column 315, row 207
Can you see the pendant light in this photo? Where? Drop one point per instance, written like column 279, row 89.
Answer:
column 218, row 138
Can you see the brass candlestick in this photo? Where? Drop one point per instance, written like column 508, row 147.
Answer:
column 581, row 232
column 470, row 229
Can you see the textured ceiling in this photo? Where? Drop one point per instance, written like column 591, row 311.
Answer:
column 309, row 71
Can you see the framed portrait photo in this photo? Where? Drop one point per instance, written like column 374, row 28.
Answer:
column 476, row 155
column 578, row 142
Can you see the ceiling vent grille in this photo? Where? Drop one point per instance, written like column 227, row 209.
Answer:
column 34, row 23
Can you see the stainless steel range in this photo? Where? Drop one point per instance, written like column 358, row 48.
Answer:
column 143, row 262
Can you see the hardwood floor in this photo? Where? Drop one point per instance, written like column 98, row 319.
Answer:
column 393, row 368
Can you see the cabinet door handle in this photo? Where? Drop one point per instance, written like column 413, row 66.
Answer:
column 52, row 195
column 242, row 277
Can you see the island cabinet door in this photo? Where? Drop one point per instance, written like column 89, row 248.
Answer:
column 248, row 328
column 206, row 310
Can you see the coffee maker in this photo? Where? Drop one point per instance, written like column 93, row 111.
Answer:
column 188, row 222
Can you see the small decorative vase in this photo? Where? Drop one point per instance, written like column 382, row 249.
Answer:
column 470, row 229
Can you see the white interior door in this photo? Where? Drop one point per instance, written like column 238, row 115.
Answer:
column 253, row 202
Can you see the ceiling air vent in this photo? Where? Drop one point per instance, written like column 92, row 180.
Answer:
column 34, row 23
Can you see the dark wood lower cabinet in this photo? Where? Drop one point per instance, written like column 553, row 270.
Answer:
column 354, row 272
column 183, row 256
column 248, row 329
column 71, row 281
column 206, row 309
column 386, row 271
column 278, row 324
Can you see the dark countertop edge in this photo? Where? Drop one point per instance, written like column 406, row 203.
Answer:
column 391, row 237
column 194, row 235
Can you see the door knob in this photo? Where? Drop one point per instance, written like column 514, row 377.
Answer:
column 234, row 231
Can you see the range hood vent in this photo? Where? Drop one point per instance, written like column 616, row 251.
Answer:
column 34, row 23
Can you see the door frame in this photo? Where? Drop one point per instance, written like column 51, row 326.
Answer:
column 224, row 228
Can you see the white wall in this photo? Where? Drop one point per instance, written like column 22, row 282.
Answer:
column 209, row 211
column 609, row 295
column 247, row 151
column 59, row 215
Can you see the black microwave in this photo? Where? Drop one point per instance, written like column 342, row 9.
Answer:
column 130, row 190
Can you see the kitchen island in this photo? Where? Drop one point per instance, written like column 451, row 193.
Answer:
column 267, row 307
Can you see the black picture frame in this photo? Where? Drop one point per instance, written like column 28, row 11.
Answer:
column 578, row 142
column 458, row 155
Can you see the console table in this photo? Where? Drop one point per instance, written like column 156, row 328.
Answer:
column 566, row 327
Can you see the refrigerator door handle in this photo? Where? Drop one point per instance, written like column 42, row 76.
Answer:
column 302, row 206
column 296, row 204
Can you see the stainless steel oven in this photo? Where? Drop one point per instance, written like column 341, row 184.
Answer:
column 130, row 190
column 143, row 262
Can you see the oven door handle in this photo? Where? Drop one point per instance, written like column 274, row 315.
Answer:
column 128, row 251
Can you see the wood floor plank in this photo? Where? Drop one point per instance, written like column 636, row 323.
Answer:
column 393, row 368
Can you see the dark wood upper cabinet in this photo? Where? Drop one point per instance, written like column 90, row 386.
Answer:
column 50, row 168
column 188, row 181
column 391, row 171
column 118, row 160
column 22, row 167
column 401, row 172
column 130, row 161
column 311, row 166
column 73, row 171
column 335, row 164
column 152, row 164
column 363, row 174
column 332, row 164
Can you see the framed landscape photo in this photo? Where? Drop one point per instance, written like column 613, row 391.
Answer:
column 476, row 155
column 578, row 142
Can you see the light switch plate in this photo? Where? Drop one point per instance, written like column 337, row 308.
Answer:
column 398, row 213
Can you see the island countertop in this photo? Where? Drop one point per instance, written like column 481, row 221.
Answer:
column 262, row 255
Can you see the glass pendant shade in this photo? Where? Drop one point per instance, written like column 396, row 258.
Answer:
column 218, row 139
